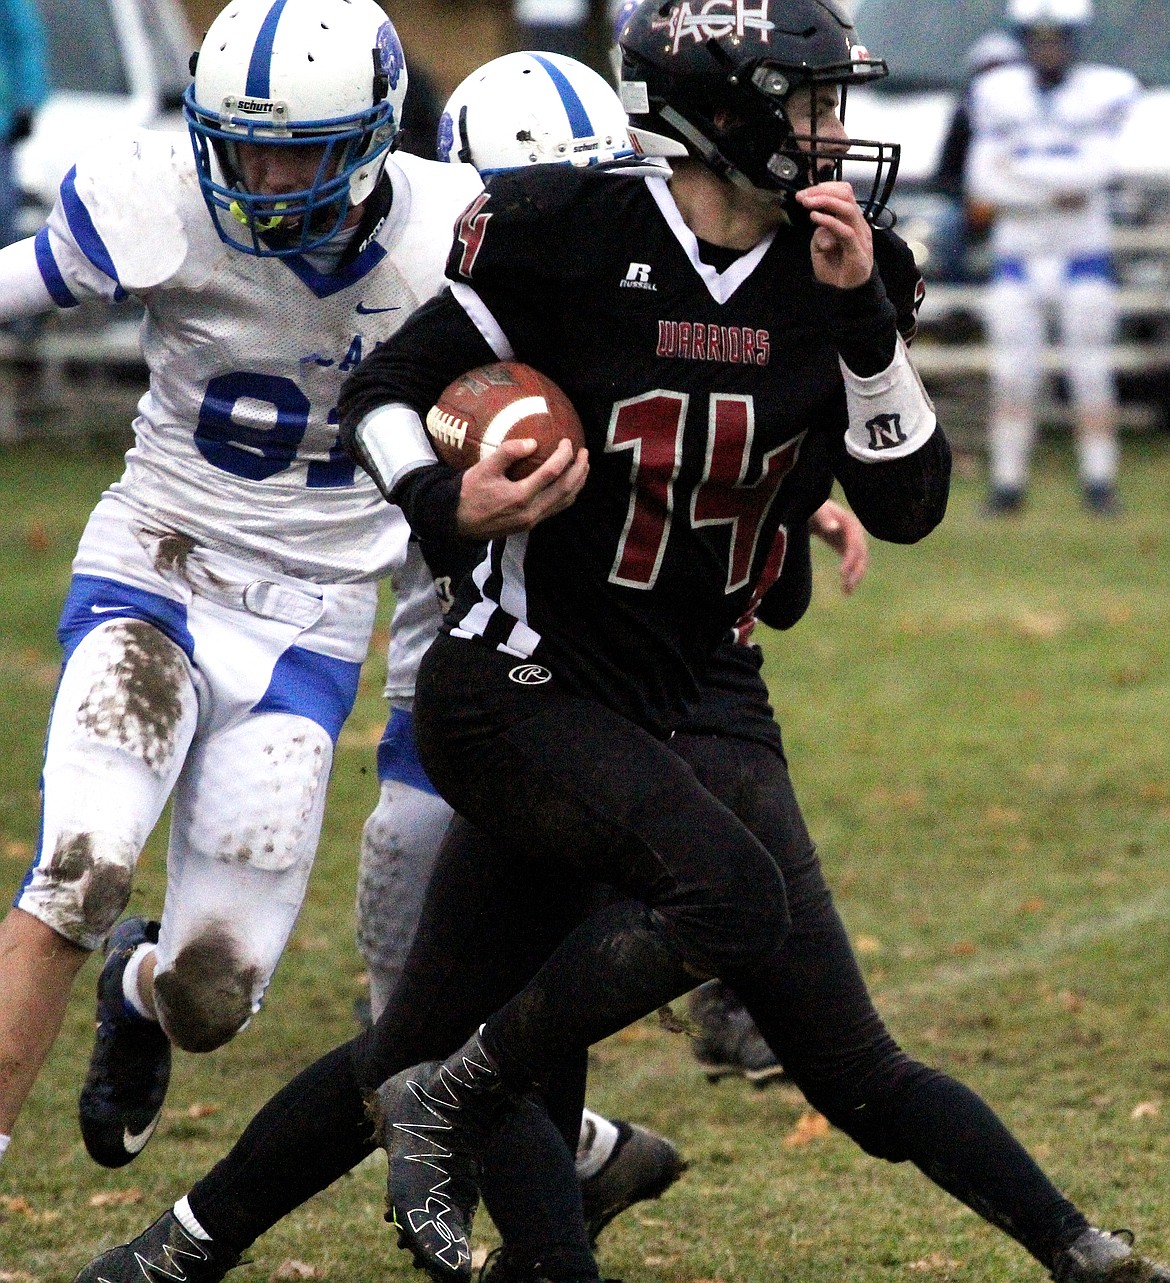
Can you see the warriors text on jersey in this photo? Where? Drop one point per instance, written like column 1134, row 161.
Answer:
column 236, row 442
column 715, row 412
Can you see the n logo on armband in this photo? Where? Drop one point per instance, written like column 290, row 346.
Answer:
column 885, row 431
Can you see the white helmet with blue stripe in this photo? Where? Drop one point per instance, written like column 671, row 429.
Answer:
column 533, row 109
column 324, row 73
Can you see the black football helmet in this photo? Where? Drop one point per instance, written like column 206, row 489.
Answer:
column 717, row 77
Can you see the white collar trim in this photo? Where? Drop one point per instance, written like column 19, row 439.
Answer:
column 721, row 285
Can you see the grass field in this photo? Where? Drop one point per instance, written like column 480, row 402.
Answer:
column 979, row 738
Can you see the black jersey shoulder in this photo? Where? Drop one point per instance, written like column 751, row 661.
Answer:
column 545, row 220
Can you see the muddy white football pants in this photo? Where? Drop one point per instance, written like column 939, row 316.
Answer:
column 192, row 675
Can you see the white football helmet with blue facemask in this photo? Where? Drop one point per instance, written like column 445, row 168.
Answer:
column 533, row 109
column 327, row 74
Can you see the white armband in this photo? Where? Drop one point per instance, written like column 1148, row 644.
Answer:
column 890, row 415
column 394, row 442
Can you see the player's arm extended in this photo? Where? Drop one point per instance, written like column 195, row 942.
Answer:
column 381, row 413
column 23, row 291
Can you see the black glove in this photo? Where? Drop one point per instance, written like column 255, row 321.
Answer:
column 21, row 127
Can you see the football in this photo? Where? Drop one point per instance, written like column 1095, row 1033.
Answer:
column 496, row 403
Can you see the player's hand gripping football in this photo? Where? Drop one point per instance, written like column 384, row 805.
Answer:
column 842, row 244
column 492, row 504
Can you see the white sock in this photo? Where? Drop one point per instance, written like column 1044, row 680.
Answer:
column 5, row 1141
column 1010, row 442
column 1097, row 457
column 130, row 981
column 595, row 1145
column 186, row 1218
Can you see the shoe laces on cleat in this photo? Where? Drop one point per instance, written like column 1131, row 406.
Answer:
column 163, row 1253
column 435, row 1121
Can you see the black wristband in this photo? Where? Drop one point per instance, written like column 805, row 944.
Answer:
column 429, row 498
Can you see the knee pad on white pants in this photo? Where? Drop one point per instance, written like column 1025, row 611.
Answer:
column 400, row 843
column 247, row 819
column 122, row 721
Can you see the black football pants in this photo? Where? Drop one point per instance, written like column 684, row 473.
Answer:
column 581, row 796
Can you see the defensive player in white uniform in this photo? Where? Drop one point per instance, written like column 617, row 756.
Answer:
column 1042, row 158
column 224, row 589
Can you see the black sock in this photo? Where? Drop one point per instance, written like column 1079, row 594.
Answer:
column 530, row 1187
column 311, row 1132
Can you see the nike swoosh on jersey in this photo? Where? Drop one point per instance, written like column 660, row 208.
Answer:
column 363, row 310
column 134, row 1144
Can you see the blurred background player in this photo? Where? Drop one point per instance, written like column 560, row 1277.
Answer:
column 24, row 84
column 224, row 589
column 1041, row 162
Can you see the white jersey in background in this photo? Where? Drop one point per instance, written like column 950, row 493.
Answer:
column 236, row 442
column 1032, row 147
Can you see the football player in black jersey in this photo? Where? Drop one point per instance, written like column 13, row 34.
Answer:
column 732, row 350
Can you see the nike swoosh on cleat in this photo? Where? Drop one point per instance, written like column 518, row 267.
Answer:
column 135, row 1144
column 363, row 310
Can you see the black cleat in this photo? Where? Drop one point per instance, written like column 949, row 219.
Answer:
column 643, row 1165
column 1003, row 501
column 1101, row 499
column 165, row 1253
column 729, row 1044
column 435, row 1121
column 1097, row 1256
column 130, row 1068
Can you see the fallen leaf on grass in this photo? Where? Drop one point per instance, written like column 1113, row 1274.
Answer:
column 17, row 1206
column 36, row 538
column 116, row 1198
column 1041, row 624
column 195, row 1111
column 294, row 1269
column 1146, row 1109
column 1035, row 905
column 1002, row 815
column 810, row 1127
column 935, row 1263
